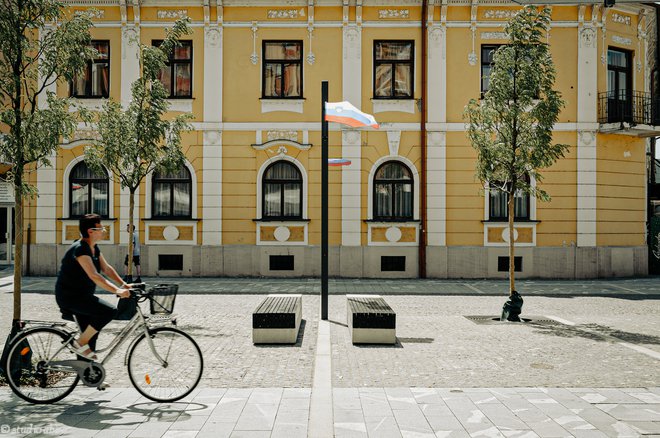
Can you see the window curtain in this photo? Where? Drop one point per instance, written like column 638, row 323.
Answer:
column 89, row 191
column 282, row 191
column 182, row 75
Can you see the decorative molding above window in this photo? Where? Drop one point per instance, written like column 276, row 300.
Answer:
column 172, row 14
column 400, row 105
column 274, row 105
column 621, row 19
column 282, row 135
column 274, row 14
column 97, row 13
column 499, row 14
column 282, row 143
column 494, row 36
column 385, row 14
column 182, row 105
column 622, row 40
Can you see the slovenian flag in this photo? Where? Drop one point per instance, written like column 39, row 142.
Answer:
column 347, row 114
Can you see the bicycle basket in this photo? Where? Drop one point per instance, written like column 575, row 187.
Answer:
column 162, row 299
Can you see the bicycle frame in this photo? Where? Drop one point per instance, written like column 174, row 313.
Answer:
column 134, row 324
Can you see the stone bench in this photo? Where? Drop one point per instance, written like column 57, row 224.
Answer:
column 370, row 319
column 277, row 319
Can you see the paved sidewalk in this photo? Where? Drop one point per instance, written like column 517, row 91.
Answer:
column 590, row 370
column 358, row 412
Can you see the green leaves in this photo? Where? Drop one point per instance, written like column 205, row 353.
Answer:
column 136, row 140
column 511, row 127
column 35, row 55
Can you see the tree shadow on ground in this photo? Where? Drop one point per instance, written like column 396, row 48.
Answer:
column 596, row 332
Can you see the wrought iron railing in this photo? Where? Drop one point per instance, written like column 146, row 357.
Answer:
column 636, row 108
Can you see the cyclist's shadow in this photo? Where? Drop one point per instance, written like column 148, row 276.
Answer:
column 95, row 415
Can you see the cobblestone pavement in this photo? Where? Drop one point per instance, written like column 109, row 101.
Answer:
column 594, row 375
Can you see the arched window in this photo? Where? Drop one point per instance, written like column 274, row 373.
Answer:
column 282, row 191
column 172, row 194
column 88, row 191
column 498, row 203
column 393, row 192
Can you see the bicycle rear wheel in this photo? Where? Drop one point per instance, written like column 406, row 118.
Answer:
column 27, row 368
column 174, row 379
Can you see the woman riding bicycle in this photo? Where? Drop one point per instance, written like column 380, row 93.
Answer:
column 77, row 279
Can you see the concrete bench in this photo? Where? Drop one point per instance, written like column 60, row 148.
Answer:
column 370, row 319
column 277, row 319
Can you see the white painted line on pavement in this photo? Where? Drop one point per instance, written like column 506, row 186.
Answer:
column 320, row 411
column 643, row 350
column 473, row 288
column 558, row 319
column 625, row 288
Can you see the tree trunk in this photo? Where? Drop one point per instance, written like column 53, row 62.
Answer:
column 512, row 265
column 131, row 207
column 18, row 254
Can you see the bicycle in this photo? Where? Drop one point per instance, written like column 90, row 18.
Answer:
column 164, row 363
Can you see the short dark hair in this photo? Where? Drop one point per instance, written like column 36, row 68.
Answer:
column 88, row 221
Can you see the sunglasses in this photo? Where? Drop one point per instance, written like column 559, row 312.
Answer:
column 99, row 229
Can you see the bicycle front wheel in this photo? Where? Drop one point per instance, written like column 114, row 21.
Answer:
column 32, row 370
column 178, row 373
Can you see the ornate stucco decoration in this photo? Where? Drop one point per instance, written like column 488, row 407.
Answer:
column 358, row 12
column 641, row 37
column 385, row 14
column 498, row 14
column 603, row 25
column 172, row 14
column 310, row 31
column 254, row 58
column 281, row 144
column 586, row 138
column 97, row 13
column 621, row 19
column 282, row 135
column 622, row 40
column 588, row 37
column 275, row 14
column 494, row 35
column 472, row 56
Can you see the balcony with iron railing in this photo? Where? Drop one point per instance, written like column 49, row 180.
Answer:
column 630, row 113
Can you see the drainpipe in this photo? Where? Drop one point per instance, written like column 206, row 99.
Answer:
column 422, row 183
column 27, row 253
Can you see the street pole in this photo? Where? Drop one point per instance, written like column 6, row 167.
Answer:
column 324, row 203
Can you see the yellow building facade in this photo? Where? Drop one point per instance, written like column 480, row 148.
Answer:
column 247, row 202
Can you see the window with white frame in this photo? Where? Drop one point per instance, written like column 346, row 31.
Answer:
column 94, row 80
column 393, row 192
column 498, row 203
column 282, row 69
column 88, row 192
column 172, row 194
column 282, row 192
column 393, row 69
column 176, row 76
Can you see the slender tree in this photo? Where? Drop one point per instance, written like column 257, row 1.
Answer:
column 511, row 127
column 135, row 141
column 40, row 45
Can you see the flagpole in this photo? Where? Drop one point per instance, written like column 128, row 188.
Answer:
column 324, row 203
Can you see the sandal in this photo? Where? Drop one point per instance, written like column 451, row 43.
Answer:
column 82, row 350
